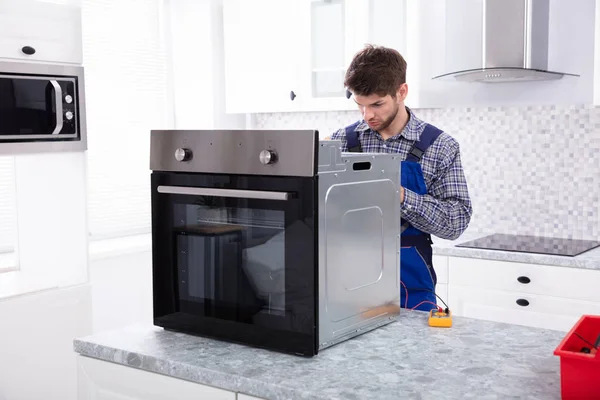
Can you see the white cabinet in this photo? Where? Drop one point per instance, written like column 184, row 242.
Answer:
column 274, row 48
column 101, row 380
column 40, row 31
column 283, row 56
column 535, row 295
column 261, row 41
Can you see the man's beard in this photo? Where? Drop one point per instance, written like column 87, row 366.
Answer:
column 385, row 124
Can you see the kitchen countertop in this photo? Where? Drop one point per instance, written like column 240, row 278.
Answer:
column 474, row 359
column 588, row 260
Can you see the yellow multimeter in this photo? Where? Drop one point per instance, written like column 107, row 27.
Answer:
column 440, row 319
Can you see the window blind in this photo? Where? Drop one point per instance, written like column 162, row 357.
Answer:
column 8, row 206
column 127, row 95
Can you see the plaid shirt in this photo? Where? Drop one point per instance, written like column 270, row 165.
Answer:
column 445, row 211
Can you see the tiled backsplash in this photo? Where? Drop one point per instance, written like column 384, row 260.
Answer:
column 530, row 170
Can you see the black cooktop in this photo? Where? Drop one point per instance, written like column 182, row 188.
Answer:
column 532, row 244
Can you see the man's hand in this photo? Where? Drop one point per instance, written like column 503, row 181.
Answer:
column 327, row 138
column 401, row 195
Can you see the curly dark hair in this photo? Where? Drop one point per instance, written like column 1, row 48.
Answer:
column 375, row 70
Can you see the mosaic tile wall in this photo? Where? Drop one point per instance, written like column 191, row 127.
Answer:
column 530, row 170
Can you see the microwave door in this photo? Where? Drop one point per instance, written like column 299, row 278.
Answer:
column 30, row 108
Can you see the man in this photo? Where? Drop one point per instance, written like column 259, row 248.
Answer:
column 434, row 199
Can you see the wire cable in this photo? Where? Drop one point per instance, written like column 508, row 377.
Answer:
column 423, row 290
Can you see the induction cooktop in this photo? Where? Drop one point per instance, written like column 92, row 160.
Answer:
column 532, row 244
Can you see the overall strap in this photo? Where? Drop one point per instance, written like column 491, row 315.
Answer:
column 352, row 141
column 428, row 136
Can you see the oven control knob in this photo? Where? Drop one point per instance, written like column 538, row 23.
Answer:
column 267, row 157
column 69, row 115
column 68, row 99
column 182, row 154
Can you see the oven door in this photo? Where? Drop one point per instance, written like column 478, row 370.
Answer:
column 234, row 258
column 34, row 108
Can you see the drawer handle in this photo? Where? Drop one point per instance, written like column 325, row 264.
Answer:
column 522, row 302
column 524, row 279
column 28, row 50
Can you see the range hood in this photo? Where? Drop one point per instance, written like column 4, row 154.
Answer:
column 497, row 41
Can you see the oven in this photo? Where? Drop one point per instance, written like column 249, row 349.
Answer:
column 239, row 241
column 41, row 107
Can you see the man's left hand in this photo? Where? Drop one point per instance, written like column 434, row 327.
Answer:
column 401, row 195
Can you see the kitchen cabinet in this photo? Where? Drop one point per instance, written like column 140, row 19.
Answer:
column 261, row 64
column 543, row 296
column 41, row 31
column 101, row 380
column 293, row 55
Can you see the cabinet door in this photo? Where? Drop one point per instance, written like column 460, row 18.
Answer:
column 338, row 30
column 102, row 380
column 328, row 30
column 387, row 24
column 518, row 308
column 546, row 280
column 327, row 19
column 53, row 31
column 261, row 41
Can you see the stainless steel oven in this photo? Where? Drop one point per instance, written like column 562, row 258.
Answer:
column 41, row 108
column 272, row 238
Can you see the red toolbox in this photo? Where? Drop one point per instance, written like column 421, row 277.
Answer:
column 580, row 360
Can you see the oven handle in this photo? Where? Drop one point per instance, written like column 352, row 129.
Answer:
column 217, row 192
column 59, row 110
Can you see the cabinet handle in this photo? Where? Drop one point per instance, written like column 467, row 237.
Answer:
column 524, row 279
column 348, row 94
column 292, row 95
column 28, row 50
column 522, row 302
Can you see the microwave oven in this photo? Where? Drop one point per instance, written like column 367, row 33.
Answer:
column 42, row 107
column 273, row 239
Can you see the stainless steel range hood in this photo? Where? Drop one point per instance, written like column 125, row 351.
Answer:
column 497, row 41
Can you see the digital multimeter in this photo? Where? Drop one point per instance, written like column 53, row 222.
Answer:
column 440, row 319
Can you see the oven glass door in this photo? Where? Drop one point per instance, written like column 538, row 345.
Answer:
column 234, row 258
column 34, row 108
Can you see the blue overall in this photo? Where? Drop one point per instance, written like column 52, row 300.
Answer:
column 416, row 268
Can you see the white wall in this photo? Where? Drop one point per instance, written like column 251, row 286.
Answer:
column 121, row 286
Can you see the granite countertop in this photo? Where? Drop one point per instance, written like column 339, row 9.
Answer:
column 588, row 260
column 474, row 359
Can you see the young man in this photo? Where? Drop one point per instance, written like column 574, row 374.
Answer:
column 434, row 199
